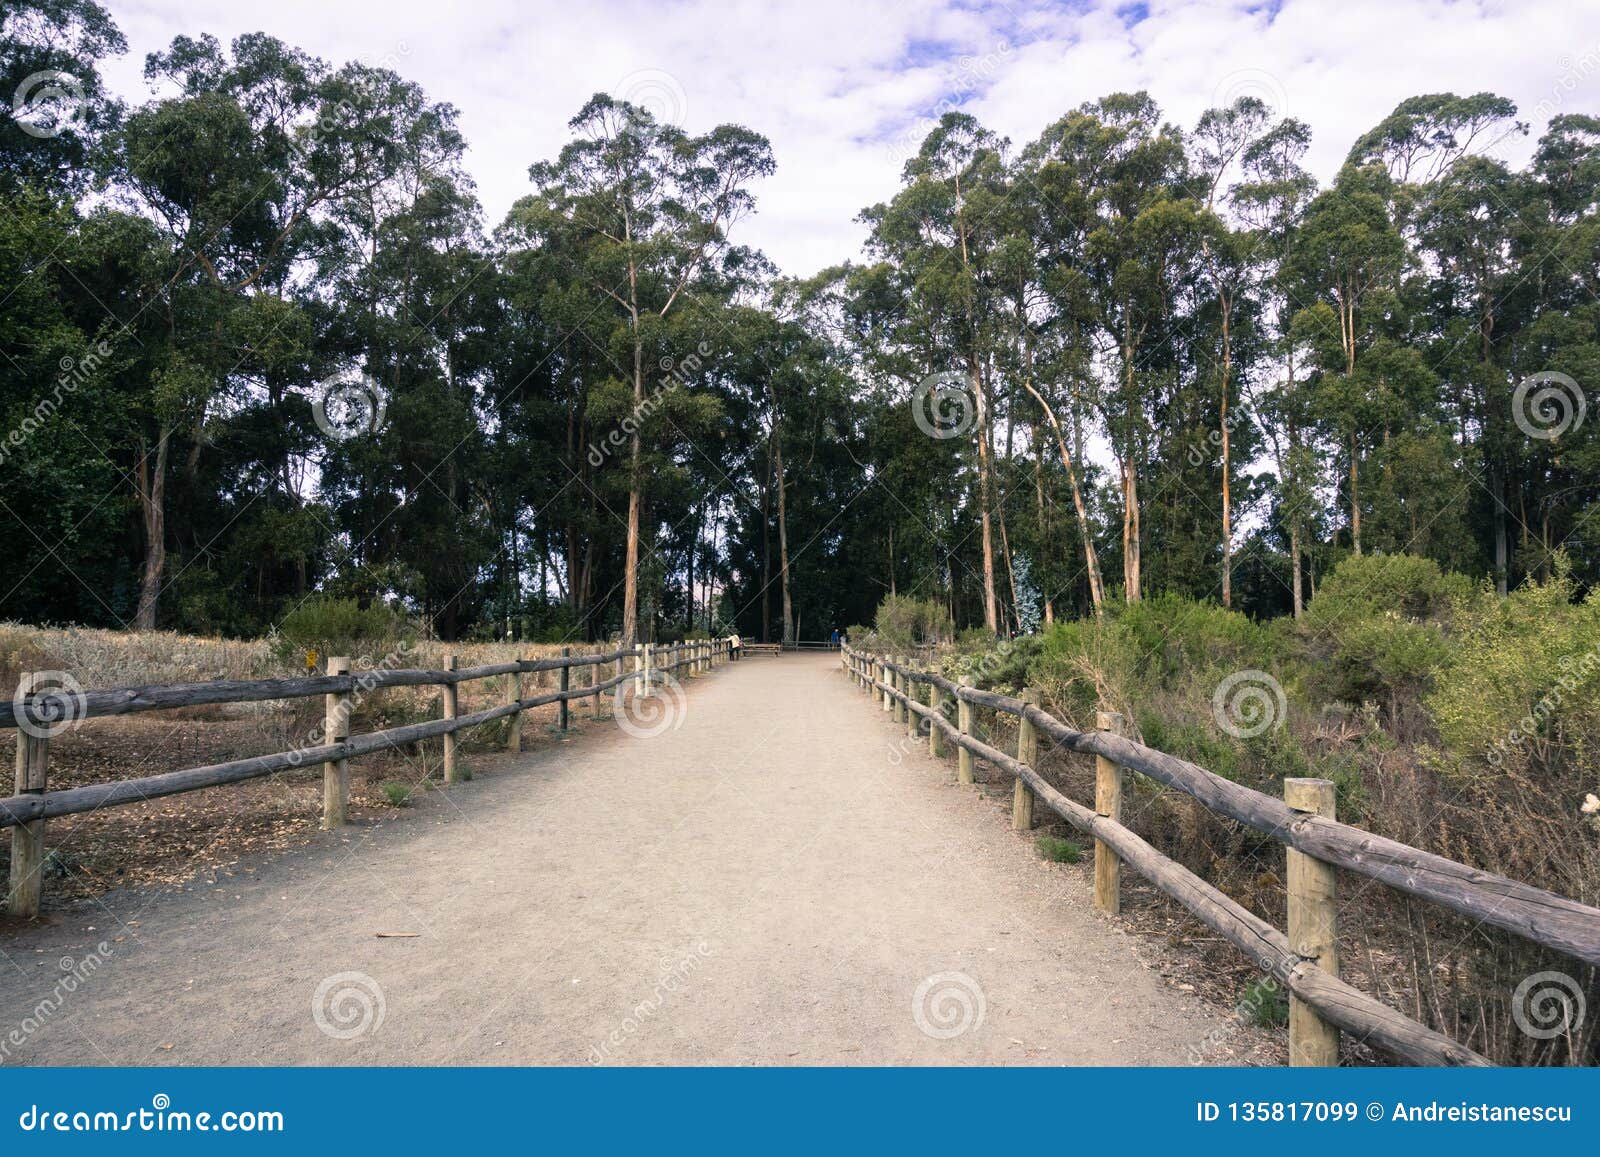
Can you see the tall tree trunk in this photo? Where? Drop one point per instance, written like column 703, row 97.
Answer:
column 783, row 537
column 1011, row 571
column 1294, row 555
column 1046, row 529
column 630, row 579
column 991, row 616
column 766, row 550
column 1130, row 533
column 1227, row 507
column 1355, row 500
column 152, row 486
column 1091, row 561
column 1132, row 559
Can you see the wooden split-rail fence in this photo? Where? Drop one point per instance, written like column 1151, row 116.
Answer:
column 1318, row 847
column 38, row 712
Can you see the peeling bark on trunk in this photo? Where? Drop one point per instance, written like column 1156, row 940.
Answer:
column 152, row 486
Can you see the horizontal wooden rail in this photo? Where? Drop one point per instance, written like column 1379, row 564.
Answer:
column 1346, row 1006
column 1544, row 917
column 165, row 696
column 1534, row 913
column 32, row 805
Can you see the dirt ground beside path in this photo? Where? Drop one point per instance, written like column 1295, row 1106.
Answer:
column 778, row 878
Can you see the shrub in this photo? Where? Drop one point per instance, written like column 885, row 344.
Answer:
column 1264, row 1004
column 1375, row 631
column 330, row 626
column 1057, row 850
column 903, row 622
column 395, row 793
column 1516, row 689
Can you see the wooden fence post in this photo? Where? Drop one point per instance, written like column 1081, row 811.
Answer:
column 1108, row 803
column 451, row 663
column 594, row 681
column 638, row 668
column 964, row 725
column 27, row 840
column 912, row 719
column 900, row 685
column 566, row 685
column 1022, row 818
column 336, row 711
column 935, row 734
column 886, row 677
column 514, row 695
column 1313, row 925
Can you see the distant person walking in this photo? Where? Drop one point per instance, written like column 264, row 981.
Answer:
column 734, row 647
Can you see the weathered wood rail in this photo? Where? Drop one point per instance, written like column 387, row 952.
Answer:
column 37, row 711
column 1304, row 960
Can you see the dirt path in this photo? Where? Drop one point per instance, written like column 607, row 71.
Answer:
column 779, row 880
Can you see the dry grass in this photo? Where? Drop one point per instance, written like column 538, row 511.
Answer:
column 163, row 841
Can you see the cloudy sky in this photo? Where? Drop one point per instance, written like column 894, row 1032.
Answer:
column 843, row 88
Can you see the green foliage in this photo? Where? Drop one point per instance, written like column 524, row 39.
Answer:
column 1378, row 622
column 396, row 793
column 1264, row 1003
column 332, row 626
column 1058, row 850
column 1519, row 690
column 903, row 622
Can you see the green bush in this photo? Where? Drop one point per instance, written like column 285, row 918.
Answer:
column 1516, row 690
column 1376, row 630
column 330, row 626
column 903, row 622
column 1264, row 1004
column 1057, row 850
column 1362, row 586
column 395, row 793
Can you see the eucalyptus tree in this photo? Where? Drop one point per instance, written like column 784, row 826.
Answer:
column 1140, row 233
column 1347, row 258
column 1229, row 263
column 941, row 231
column 238, row 169
column 1270, row 202
column 644, row 210
column 50, row 52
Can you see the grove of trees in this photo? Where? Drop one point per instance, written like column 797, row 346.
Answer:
column 260, row 346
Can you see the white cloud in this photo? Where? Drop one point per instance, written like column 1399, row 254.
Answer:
column 837, row 84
